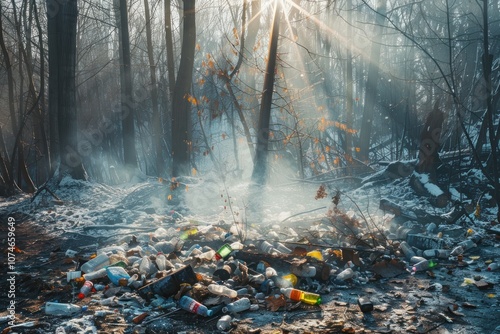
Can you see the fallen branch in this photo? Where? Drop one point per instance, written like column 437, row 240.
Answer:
column 44, row 187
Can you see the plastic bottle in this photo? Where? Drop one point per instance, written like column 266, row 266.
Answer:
column 222, row 290
column 467, row 244
column 423, row 265
column 95, row 274
column 116, row 273
column 457, row 251
column 493, row 266
column 52, row 308
column 191, row 305
column 86, row 289
column 270, row 272
column 266, row 247
column 304, row 270
column 417, row 259
column 208, row 255
column 223, row 252
column 100, row 261
column 161, row 262
column 146, row 266
column 407, row 250
column 436, row 253
column 224, row 323
column 345, row 274
column 302, row 296
column 236, row 245
column 282, row 248
column 239, row 305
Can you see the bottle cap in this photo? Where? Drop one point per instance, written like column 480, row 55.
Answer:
column 85, row 308
column 81, row 296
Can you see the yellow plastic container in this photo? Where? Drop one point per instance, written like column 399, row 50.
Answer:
column 315, row 254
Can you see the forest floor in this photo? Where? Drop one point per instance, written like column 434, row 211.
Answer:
column 454, row 297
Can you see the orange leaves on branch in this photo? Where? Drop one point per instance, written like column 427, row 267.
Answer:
column 324, row 124
column 174, row 184
column 191, row 99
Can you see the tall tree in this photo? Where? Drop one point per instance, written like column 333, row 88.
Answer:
column 127, row 101
column 259, row 173
column 181, row 105
column 157, row 128
column 62, row 92
column 371, row 85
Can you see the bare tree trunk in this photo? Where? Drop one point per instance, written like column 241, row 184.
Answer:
column 127, row 102
column 170, row 48
column 62, row 90
column 259, row 174
column 490, row 108
column 181, row 107
column 371, row 86
column 349, row 81
column 43, row 144
column 157, row 128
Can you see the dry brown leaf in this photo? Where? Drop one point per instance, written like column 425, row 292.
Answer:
column 274, row 303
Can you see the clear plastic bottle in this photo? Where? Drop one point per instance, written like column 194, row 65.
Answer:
column 493, row 266
column 161, row 262
column 436, row 253
column 282, row 248
column 236, row 245
column 95, row 274
column 467, row 244
column 146, row 266
column 407, row 250
column 224, row 323
column 416, row 259
column 304, row 270
column 302, row 296
column 270, row 272
column 189, row 304
column 222, row 290
column 239, row 305
column 423, row 265
column 457, row 251
column 345, row 274
column 86, row 289
column 100, row 261
column 266, row 247
column 61, row 309
column 207, row 256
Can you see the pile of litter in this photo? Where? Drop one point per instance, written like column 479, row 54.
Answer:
column 337, row 271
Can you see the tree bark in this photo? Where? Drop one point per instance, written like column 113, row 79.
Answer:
column 181, row 106
column 259, row 174
column 157, row 128
column 349, row 82
column 127, row 102
column 371, row 86
column 65, row 53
